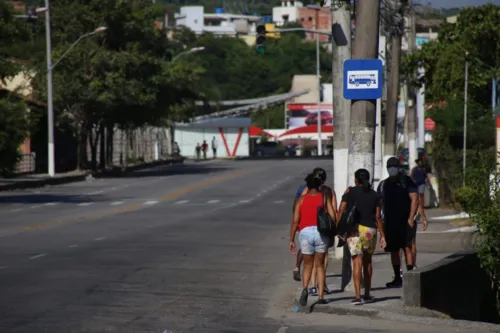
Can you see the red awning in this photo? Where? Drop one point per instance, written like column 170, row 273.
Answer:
column 309, row 130
column 257, row 131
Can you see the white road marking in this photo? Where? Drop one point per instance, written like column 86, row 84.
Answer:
column 245, row 201
column 99, row 238
column 116, row 203
column 51, row 203
column 36, row 206
column 73, row 246
column 113, row 189
column 181, row 202
column 85, row 204
column 3, row 267
column 282, row 329
column 213, row 201
column 16, row 210
column 94, row 193
column 37, row 256
column 279, row 202
column 258, row 195
column 152, row 202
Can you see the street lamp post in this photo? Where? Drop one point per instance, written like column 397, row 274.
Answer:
column 318, row 74
column 50, row 68
column 169, row 129
column 193, row 50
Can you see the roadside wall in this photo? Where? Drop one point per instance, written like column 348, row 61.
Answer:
column 455, row 285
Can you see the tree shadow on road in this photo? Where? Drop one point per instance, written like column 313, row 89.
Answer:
column 162, row 171
column 46, row 198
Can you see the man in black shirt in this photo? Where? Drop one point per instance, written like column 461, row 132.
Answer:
column 399, row 195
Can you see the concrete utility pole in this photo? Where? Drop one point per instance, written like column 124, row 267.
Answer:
column 420, row 101
column 363, row 111
column 466, row 87
column 391, row 113
column 341, row 51
column 411, row 110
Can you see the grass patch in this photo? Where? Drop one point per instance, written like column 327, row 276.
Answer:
column 462, row 223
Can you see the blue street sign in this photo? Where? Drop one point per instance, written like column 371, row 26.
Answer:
column 363, row 79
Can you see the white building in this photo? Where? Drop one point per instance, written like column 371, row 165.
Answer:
column 219, row 23
column 288, row 12
column 231, row 134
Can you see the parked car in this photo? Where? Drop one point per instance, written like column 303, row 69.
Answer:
column 271, row 148
column 403, row 156
column 326, row 118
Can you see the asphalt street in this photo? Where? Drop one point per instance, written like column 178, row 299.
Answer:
column 186, row 248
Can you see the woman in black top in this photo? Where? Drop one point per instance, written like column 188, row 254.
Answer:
column 362, row 239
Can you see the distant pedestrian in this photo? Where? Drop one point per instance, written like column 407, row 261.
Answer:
column 198, row 151
column 420, row 177
column 204, row 149
column 400, row 203
column 215, row 145
column 362, row 236
column 177, row 150
column 313, row 244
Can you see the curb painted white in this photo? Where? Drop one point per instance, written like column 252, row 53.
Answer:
column 461, row 215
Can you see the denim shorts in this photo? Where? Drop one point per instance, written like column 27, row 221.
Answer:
column 312, row 241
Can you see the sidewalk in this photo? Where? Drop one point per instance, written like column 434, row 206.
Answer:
column 41, row 180
column 388, row 301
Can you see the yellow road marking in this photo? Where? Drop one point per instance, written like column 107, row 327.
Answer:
column 125, row 209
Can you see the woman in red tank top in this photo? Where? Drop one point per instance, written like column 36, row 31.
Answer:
column 313, row 245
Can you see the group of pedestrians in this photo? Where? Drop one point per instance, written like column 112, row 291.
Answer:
column 203, row 148
column 363, row 215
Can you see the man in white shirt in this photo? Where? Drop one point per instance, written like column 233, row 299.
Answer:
column 214, row 146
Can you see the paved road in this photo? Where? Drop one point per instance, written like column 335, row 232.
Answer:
column 189, row 248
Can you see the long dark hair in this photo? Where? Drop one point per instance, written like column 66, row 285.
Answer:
column 363, row 178
column 314, row 181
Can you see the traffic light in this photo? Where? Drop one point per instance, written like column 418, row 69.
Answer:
column 261, row 39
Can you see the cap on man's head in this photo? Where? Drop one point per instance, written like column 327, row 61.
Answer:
column 392, row 162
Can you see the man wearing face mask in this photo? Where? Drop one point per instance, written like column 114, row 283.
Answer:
column 399, row 195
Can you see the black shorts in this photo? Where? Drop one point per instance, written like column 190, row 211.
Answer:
column 399, row 235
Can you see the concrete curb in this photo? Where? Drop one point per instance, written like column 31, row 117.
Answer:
column 116, row 172
column 458, row 216
column 338, row 310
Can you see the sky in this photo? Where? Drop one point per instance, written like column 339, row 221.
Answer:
column 458, row 3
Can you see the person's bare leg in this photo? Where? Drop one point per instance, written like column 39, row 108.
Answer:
column 314, row 274
column 319, row 260
column 356, row 274
column 414, row 250
column 367, row 273
column 296, row 271
column 409, row 257
column 300, row 258
column 326, row 260
column 307, row 270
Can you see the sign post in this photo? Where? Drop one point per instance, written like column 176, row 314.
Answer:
column 363, row 80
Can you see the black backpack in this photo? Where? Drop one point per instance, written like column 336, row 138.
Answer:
column 326, row 226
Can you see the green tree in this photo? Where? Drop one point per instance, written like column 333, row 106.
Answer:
column 120, row 78
column 477, row 32
column 13, row 113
